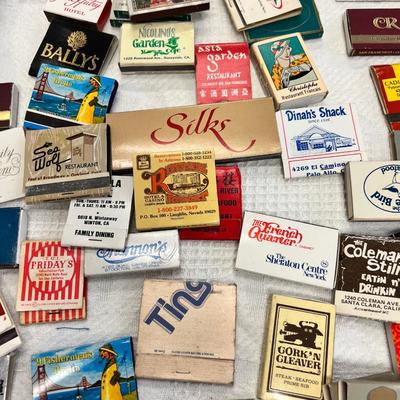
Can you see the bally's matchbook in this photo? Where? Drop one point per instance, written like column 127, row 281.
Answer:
column 288, row 249
column 318, row 141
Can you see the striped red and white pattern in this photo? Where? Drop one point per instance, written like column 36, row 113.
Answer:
column 38, row 317
column 53, row 294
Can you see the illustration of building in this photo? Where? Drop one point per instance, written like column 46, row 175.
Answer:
column 82, row 147
column 319, row 140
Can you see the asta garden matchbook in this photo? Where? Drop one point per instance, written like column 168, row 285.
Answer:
column 223, row 72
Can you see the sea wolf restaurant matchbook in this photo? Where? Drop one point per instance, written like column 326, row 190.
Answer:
column 65, row 163
column 288, row 249
column 299, row 343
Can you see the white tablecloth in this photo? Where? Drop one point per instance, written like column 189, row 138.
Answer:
column 114, row 302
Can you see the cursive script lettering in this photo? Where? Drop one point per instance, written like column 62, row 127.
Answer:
column 180, row 125
column 272, row 232
column 93, row 4
column 385, row 23
column 46, row 156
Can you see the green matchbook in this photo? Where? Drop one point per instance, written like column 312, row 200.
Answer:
column 307, row 23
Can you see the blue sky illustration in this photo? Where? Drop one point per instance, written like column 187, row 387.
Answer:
column 91, row 368
column 79, row 87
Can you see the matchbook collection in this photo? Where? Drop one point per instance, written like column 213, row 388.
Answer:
column 140, row 181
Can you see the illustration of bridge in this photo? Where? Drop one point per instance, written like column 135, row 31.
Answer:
column 42, row 384
column 42, row 86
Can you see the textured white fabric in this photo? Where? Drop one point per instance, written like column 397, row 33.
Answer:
column 361, row 346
